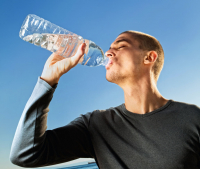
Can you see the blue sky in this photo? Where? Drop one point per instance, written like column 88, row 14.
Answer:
column 176, row 24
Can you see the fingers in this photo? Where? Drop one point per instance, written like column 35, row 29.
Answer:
column 68, row 63
column 80, row 52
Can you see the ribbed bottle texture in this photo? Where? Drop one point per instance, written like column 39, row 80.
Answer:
column 49, row 36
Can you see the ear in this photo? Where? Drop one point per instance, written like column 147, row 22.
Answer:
column 150, row 57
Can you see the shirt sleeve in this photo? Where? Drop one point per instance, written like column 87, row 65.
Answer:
column 34, row 146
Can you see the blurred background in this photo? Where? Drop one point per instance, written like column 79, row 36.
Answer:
column 176, row 24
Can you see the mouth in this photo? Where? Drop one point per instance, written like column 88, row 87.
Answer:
column 110, row 62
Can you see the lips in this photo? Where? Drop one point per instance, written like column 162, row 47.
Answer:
column 110, row 62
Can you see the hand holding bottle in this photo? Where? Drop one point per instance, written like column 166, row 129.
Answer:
column 57, row 65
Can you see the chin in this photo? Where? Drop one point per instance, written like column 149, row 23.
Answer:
column 112, row 77
column 109, row 77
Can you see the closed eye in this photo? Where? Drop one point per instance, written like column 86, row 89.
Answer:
column 117, row 47
column 121, row 47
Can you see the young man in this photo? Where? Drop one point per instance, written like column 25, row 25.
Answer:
column 147, row 132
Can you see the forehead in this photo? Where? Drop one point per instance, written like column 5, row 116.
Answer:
column 126, row 37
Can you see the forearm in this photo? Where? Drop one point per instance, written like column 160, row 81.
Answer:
column 30, row 133
column 34, row 146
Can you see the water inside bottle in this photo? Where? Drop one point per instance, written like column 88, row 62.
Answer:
column 66, row 45
column 51, row 42
column 95, row 55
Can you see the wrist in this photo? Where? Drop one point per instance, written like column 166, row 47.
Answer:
column 51, row 83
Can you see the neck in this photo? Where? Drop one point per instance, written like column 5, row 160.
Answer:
column 142, row 96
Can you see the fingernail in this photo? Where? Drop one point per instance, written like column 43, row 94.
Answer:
column 84, row 42
column 84, row 46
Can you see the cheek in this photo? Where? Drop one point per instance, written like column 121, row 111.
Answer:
column 128, row 60
column 128, row 63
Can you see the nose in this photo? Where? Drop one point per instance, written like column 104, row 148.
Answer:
column 109, row 53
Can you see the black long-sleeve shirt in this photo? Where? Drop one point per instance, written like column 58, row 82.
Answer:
column 166, row 138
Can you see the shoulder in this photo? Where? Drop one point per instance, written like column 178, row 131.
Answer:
column 187, row 109
column 186, row 106
column 101, row 115
column 98, row 113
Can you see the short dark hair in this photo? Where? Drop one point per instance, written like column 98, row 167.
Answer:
column 149, row 43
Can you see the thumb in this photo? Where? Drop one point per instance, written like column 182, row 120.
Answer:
column 80, row 52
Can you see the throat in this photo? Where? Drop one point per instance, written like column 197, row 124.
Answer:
column 146, row 105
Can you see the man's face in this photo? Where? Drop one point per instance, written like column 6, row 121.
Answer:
column 125, row 60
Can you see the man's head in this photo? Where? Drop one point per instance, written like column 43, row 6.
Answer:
column 134, row 55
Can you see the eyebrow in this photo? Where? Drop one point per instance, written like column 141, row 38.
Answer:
column 122, row 40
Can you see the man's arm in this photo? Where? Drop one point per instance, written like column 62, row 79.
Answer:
column 33, row 146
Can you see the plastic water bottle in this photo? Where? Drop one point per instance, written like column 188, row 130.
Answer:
column 49, row 36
